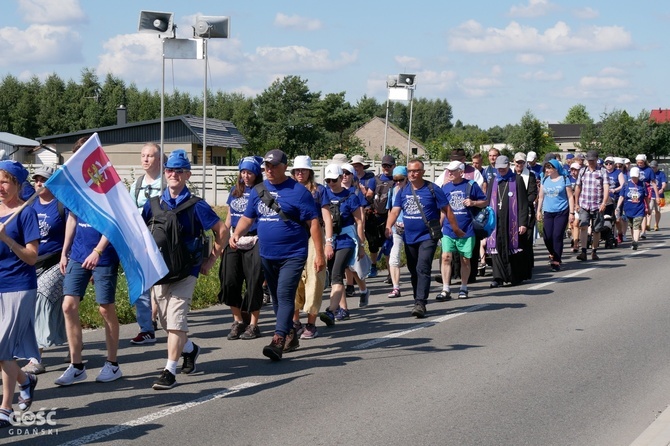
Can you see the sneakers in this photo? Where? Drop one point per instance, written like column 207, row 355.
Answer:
column 594, row 256
column 236, row 330
column 463, row 294
column 24, row 403
column 394, row 293
column 109, row 373
column 555, row 266
column 419, row 310
column 70, row 376
column 144, row 337
column 298, row 327
column 291, row 343
column 34, row 368
column 494, row 284
column 619, row 238
column 310, row 332
column 267, row 298
column 342, row 315
column 252, row 332
column 350, row 291
column 188, row 365
column 373, row 272
column 443, row 296
column 582, row 256
column 364, row 299
column 275, row 349
column 388, row 280
column 655, row 228
column 165, row 381
column 634, row 246
column 327, row 317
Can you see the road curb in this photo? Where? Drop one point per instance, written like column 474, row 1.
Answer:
column 658, row 433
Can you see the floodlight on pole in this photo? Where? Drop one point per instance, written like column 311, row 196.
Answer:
column 208, row 27
column 391, row 82
column 159, row 23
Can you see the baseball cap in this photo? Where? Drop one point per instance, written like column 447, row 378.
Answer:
column 532, row 156
column 388, row 159
column 654, row 163
column 501, row 162
column 609, row 158
column 580, row 156
column 44, row 172
column 575, row 166
column 569, row 156
column 618, row 160
column 521, row 156
column 349, row 168
column 455, row 165
column 634, row 172
column 641, row 157
column 275, row 157
column 178, row 159
column 591, row 155
column 333, row 171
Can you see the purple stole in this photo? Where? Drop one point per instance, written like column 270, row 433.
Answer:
column 512, row 217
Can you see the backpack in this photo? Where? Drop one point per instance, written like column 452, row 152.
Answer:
column 138, row 185
column 380, row 200
column 267, row 198
column 180, row 257
column 334, row 209
column 483, row 219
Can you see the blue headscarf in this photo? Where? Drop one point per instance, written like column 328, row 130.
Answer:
column 252, row 164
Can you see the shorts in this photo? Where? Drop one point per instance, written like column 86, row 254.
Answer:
column 463, row 246
column 654, row 205
column 635, row 223
column 104, row 281
column 173, row 301
column 587, row 217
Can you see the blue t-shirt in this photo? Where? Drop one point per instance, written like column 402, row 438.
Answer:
column 415, row 229
column 237, row 206
column 634, row 195
column 204, row 217
column 52, row 226
column 613, row 177
column 660, row 179
column 536, row 169
column 647, row 176
column 15, row 274
column 85, row 240
column 349, row 203
column 283, row 239
column 369, row 180
column 456, row 194
column 555, row 194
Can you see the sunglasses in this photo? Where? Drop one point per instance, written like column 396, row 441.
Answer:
column 386, row 166
column 344, row 172
column 330, row 180
column 609, row 162
column 177, row 171
column 520, row 162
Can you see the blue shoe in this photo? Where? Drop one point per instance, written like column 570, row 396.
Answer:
column 327, row 317
column 364, row 299
column 373, row 272
column 341, row 314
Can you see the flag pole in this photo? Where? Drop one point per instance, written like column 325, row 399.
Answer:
column 26, row 203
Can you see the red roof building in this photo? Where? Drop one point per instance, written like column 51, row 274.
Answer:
column 660, row 115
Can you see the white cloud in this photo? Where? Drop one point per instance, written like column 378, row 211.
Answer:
column 471, row 37
column 52, row 11
column 473, row 92
column 297, row 22
column 602, row 82
column 626, row 98
column 43, row 44
column 408, row 62
column 481, row 82
column 586, row 13
column 530, row 59
column 534, row 8
column 542, row 75
column 297, row 58
column 612, row 71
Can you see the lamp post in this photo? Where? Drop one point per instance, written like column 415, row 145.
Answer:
column 208, row 27
column 401, row 88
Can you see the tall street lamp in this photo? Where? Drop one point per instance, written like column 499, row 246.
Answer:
column 401, row 88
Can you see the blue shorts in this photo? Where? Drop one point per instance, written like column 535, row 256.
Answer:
column 104, row 281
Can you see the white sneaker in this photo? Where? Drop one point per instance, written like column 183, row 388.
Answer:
column 70, row 376
column 109, row 373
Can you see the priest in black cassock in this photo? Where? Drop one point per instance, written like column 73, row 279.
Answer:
column 509, row 199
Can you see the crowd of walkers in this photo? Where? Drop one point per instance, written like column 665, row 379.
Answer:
column 298, row 239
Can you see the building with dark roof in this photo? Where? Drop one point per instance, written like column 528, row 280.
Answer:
column 123, row 142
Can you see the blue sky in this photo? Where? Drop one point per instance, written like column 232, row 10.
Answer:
column 492, row 60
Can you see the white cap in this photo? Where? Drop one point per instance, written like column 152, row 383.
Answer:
column 626, row 161
column 634, row 172
column 641, row 157
column 532, row 156
column 609, row 158
column 618, row 160
column 340, row 158
column 333, row 172
column 349, row 168
column 575, row 165
column 520, row 156
column 455, row 165
column 302, row 162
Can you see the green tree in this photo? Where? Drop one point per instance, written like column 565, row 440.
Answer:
column 618, row 134
column 50, row 117
column 578, row 115
column 338, row 117
column 112, row 94
column 531, row 134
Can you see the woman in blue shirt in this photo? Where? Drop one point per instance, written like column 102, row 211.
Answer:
column 18, row 289
column 243, row 265
column 347, row 236
column 556, row 207
column 635, row 200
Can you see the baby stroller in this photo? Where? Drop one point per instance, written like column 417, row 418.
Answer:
column 606, row 225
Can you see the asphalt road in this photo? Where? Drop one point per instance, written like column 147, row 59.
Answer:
column 578, row 357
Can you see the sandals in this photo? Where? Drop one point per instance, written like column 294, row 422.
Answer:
column 24, row 403
column 6, row 417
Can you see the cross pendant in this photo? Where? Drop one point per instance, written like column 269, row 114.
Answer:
column 500, row 205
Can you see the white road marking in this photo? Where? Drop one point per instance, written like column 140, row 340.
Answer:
column 96, row 436
column 427, row 324
column 567, row 276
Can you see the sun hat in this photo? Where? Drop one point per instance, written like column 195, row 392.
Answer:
column 302, row 162
column 44, row 172
column 359, row 159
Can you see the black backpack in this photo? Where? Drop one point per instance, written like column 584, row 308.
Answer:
column 336, row 215
column 138, row 186
column 380, row 200
column 180, row 257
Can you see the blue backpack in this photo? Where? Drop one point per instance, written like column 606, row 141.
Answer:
column 484, row 219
